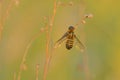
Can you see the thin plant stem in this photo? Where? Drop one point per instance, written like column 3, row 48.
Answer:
column 14, row 76
column 82, row 21
column 1, row 20
column 48, row 36
column 85, row 55
column 37, row 71
column 17, row 2
column 5, row 16
column 49, row 56
column 26, row 52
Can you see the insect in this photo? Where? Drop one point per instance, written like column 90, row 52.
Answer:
column 69, row 36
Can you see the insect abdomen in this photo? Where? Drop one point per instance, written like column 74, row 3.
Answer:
column 69, row 44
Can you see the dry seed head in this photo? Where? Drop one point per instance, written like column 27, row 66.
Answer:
column 37, row 66
column 65, row 4
column 42, row 29
column 51, row 24
column 16, row 2
column 70, row 3
column 24, row 67
column 1, row 28
column 59, row 3
column 83, row 21
column 88, row 15
column 56, row 45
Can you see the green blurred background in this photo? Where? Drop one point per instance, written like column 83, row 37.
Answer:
column 100, row 34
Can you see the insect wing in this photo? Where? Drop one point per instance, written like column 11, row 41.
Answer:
column 63, row 38
column 79, row 44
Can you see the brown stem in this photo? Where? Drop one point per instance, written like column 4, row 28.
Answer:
column 37, row 71
column 14, row 76
column 48, row 35
column 7, row 12
column 26, row 52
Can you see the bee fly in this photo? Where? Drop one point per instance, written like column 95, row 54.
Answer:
column 69, row 36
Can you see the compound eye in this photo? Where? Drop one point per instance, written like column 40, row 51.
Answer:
column 71, row 28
